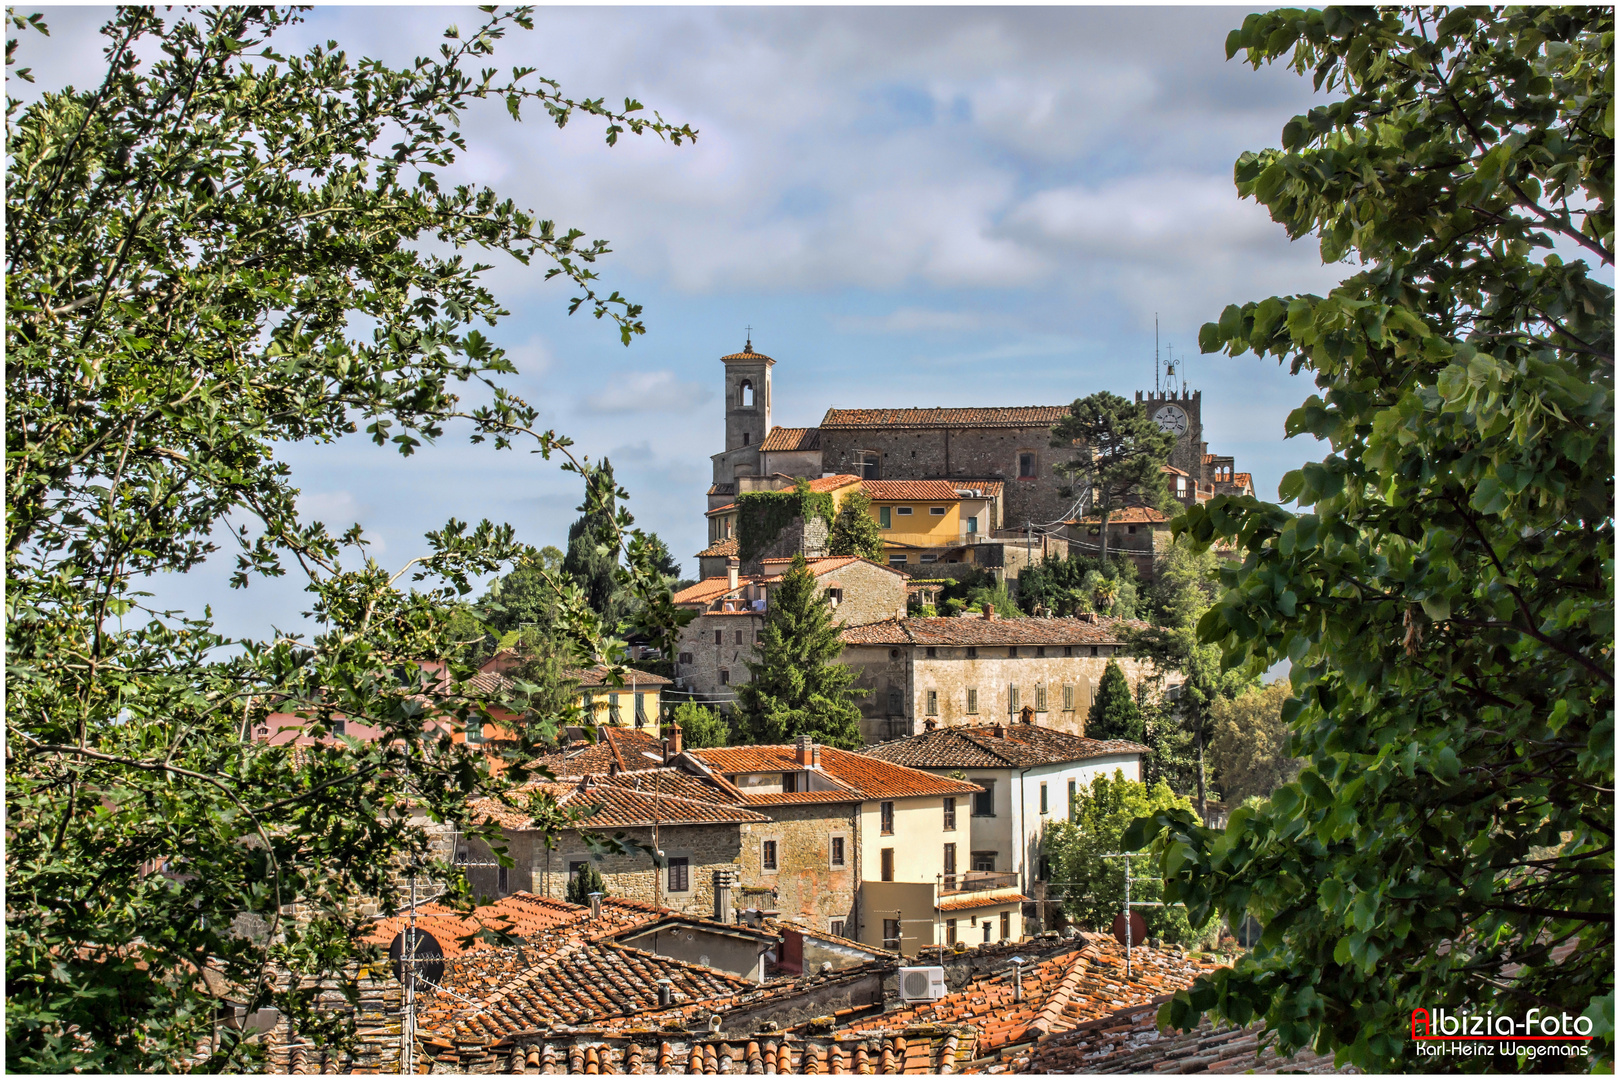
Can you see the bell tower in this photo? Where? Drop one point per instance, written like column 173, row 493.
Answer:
column 1180, row 413
column 748, row 417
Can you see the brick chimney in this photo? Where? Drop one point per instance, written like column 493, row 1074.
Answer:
column 989, row 611
column 806, row 753
column 731, row 575
column 674, row 740
column 998, row 731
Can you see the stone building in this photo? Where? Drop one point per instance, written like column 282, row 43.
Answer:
column 714, row 649
column 975, row 670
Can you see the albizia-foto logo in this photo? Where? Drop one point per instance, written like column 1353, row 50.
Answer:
column 1537, row 1033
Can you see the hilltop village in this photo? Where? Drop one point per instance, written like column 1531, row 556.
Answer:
column 801, row 907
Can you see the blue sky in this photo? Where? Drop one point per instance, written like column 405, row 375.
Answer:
column 911, row 206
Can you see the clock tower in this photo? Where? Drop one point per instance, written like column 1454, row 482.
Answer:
column 1180, row 415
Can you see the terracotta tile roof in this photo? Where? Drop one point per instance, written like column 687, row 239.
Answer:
column 615, row 747
column 726, row 548
column 1242, row 479
column 1173, row 471
column 987, row 898
column 834, row 482
column 869, row 778
column 1026, row 416
column 821, row 567
column 522, row 913
column 673, row 781
column 1129, row 1041
column 722, row 489
column 726, row 509
column 1127, row 515
column 707, row 590
column 603, row 804
column 924, row 1049
column 1020, row 746
column 990, row 486
column 597, row 677
column 978, row 631
column 910, row 490
column 792, row 438
column 748, row 354
column 1058, row 993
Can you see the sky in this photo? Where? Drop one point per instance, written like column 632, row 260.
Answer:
column 909, row 206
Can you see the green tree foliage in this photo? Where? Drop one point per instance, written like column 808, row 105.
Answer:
column 586, row 880
column 1249, row 748
column 795, row 688
column 1446, row 591
column 1114, row 714
column 210, row 254
column 1096, row 891
column 1119, row 451
column 592, row 558
column 700, row 726
column 855, row 531
column 1172, row 756
column 1077, row 585
column 975, row 591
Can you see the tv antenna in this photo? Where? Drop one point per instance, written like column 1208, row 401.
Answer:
column 1155, row 354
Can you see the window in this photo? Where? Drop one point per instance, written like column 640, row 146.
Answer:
column 1043, row 798
column 641, row 709
column 888, row 864
column 950, row 866
column 686, row 658
column 950, row 812
column 1040, row 697
column 836, row 596
column 1012, row 699
column 930, row 558
column 885, row 520
column 475, row 732
column 867, row 464
column 886, row 818
column 1040, row 650
column 790, row 783
column 1006, row 925
column 836, row 853
column 739, row 637
column 575, row 866
column 984, row 861
column 1068, row 650
column 759, row 636
column 1068, row 699
column 933, row 703
column 973, row 700
column 897, row 560
column 973, row 525
column 680, row 875
column 950, row 931
column 767, row 854
column 503, row 880
column 1012, row 651
column 937, row 511
column 1026, row 465
column 719, row 638
column 725, row 677
column 745, row 394
column 1131, row 529
column 987, row 931
column 613, row 708
column 1181, row 485
column 745, row 438
column 340, row 727
column 1094, row 650
column 1044, row 868
column 930, row 652
column 891, row 934
column 972, row 652
column 835, row 927
column 903, row 511
column 984, row 802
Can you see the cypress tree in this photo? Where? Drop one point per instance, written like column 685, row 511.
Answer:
column 796, row 688
column 1114, row 713
column 582, row 884
column 590, row 561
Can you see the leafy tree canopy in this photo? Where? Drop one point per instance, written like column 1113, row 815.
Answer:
column 209, row 254
column 700, row 726
column 1118, row 450
column 1446, row 591
column 1077, row 585
column 1249, row 748
column 854, row 530
column 795, row 688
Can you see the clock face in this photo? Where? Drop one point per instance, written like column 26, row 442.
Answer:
column 1171, row 419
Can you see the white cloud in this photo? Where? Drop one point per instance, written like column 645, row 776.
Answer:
column 912, row 320
column 647, row 392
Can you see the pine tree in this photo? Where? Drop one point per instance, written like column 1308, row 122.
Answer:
column 796, row 688
column 854, row 530
column 589, row 560
column 585, row 882
column 1114, row 713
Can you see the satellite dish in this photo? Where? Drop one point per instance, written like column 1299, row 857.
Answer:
column 1138, row 929
column 429, row 956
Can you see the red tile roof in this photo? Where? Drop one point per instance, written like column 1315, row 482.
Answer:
column 614, row 748
column 521, row 914
column 834, row 482
column 748, row 353
column 792, row 438
column 1173, row 471
column 1130, row 1041
column 1027, row 416
column 991, row 487
column 726, row 548
column 605, row 805
column 1019, row 746
column 910, row 490
column 869, row 778
column 1058, row 993
column 941, row 630
column 726, row 509
column 974, row 900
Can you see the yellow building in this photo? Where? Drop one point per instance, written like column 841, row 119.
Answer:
column 636, row 704
column 932, row 521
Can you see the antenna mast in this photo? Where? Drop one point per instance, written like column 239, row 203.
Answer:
column 1155, row 354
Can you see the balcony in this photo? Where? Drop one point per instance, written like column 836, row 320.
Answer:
column 977, row 881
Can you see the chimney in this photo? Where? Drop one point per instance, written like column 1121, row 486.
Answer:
column 731, row 574
column 674, row 740
column 1018, row 963
column 804, row 751
column 722, row 896
column 815, row 755
column 666, row 993
column 989, row 611
column 930, row 724
column 998, row 731
column 596, row 905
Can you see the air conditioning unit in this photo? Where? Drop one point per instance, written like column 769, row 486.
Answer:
column 922, row 983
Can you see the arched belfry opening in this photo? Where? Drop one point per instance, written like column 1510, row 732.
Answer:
column 745, row 395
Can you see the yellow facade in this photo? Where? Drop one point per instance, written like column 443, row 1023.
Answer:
column 623, row 707
column 920, row 524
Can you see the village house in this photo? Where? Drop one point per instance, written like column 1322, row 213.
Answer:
column 1138, row 533
column 937, row 527
column 977, row 669
column 1029, row 776
column 714, row 649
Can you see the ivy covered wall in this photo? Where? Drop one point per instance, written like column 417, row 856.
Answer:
column 762, row 515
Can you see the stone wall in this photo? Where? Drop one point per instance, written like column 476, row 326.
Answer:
column 708, row 847
column 871, row 593
column 807, row 887
column 967, row 453
column 896, row 681
column 801, row 536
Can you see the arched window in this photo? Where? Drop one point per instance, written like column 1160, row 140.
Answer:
column 745, row 395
